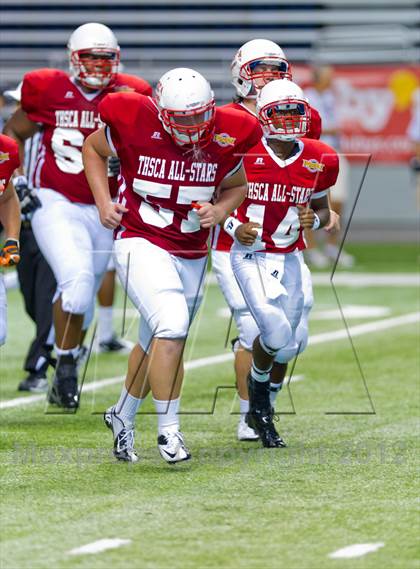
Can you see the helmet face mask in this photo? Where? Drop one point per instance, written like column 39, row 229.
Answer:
column 94, row 55
column 255, row 64
column 95, row 69
column 186, row 107
column 283, row 111
column 189, row 127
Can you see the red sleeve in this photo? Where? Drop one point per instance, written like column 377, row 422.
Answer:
column 119, row 111
column 251, row 133
column 328, row 176
column 9, row 158
column 315, row 127
column 132, row 82
column 36, row 87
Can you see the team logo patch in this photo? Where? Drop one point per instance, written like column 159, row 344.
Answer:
column 224, row 139
column 313, row 165
column 4, row 157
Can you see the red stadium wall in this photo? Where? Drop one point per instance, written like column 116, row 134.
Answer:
column 375, row 106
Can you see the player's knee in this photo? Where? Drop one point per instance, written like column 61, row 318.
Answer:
column 277, row 334
column 296, row 346
column 172, row 326
column 77, row 293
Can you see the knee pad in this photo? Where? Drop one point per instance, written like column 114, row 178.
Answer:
column 247, row 327
column 77, row 293
column 276, row 331
column 297, row 344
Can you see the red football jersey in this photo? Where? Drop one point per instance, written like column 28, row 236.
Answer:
column 159, row 179
column 9, row 159
column 221, row 241
column 67, row 115
column 276, row 187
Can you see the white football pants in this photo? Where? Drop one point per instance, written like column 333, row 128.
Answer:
column 76, row 246
column 167, row 290
column 278, row 292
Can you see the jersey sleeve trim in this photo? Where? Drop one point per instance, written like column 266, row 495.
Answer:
column 235, row 169
column 109, row 139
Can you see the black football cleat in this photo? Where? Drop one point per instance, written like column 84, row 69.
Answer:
column 64, row 391
column 261, row 414
column 261, row 421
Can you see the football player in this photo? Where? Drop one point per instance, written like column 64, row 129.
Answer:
column 255, row 64
column 9, row 218
column 67, row 227
column 181, row 164
column 288, row 182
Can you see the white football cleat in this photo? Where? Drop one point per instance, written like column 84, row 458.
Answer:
column 245, row 433
column 172, row 447
column 123, row 436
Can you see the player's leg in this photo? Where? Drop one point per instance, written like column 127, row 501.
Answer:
column 63, row 235
column 260, row 279
column 247, row 330
column 166, row 304
column 37, row 285
column 108, row 341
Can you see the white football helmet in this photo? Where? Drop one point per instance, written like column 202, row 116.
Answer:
column 186, row 106
column 283, row 110
column 94, row 55
column 254, row 53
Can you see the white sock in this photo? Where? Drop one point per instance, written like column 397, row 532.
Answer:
column 105, row 328
column 70, row 352
column 275, row 389
column 243, row 407
column 167, row 414
column 261, row 375
column 127, row 406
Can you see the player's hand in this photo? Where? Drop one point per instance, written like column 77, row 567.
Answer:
column 246, row 233
column 29, row 201
column 9, row 254
column 334, row 224
column 209, row 214
column 111, row 214
column 306, row 217
column 1, row 189
column 113, row 166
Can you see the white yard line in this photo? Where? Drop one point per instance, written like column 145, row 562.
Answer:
column 359, row 330
column 99, row 546
column 356, row 550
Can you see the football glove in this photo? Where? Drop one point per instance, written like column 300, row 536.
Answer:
column 9, row 254
column 29, row 201
column 113, row 166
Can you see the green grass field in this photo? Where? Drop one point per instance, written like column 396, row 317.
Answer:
column 344, row 479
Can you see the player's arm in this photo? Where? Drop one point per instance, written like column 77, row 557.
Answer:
column 316, row 214
column 10, row 219
column 96, row 152
column 333, row 226
column 20, row 127
column 231, row 193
